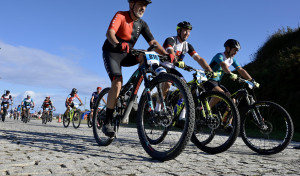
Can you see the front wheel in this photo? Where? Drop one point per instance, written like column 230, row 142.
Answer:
column 99, row 117
column 66, row 120
column 162, row 134
column 216, row 127
column 267, row 128
column 76, row 118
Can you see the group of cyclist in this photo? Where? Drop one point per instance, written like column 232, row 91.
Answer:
column 123, row 32
column 27, row 103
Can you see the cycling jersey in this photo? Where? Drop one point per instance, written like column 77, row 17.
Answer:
column 71, row 98
column 5, row 98
column 46, row 104
column 180, row 49
column 27, row 102
column 216, row 67
column 127, row 30
column 95, row 95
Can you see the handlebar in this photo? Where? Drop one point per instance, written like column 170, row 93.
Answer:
column 251, row 85
column 137, row 52
column 189, row 69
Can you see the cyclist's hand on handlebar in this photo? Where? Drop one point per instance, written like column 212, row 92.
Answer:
column 233, row 76
column 211, row 74
column 180, row 64
column 123, row 46
column 80, row 104
column 171, row 57
column 255, row 83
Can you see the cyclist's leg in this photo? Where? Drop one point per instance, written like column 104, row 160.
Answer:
column 112, row 63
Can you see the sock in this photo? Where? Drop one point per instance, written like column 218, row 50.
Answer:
column 109, row 114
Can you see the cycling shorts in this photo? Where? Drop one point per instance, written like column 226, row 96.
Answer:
column 69, row 104
column 113, row 62
column 210, row 84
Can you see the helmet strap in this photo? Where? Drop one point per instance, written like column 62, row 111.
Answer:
column 179, row 35
column 132, row 9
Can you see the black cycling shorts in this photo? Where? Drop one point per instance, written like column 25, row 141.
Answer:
column 113, row 62
column 210, row 84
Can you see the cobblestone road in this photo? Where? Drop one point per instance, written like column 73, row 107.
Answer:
column 37, row 149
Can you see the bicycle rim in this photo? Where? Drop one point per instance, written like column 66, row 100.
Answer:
column 276, row 133
column 98, row 118
column 215, row 132
column 164, row 136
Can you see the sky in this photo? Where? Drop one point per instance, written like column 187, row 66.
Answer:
column 49, row 47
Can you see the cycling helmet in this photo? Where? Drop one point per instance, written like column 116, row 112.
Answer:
column 74, row 90
column 184, row 24
column 7, row 91
column 148, row 1
column 99, row 88
column 231, row 43
column 28, row 96
column 48, row 97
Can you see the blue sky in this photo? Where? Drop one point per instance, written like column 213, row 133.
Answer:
column 50, row 46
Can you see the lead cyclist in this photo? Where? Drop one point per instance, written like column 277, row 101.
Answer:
column 122, row 34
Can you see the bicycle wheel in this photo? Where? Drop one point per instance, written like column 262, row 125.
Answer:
column 272, row 133
column 98, row 119
column 89, row 122
column 163, row 135
column 215, row 132
column 66, row 120
column 76, row 118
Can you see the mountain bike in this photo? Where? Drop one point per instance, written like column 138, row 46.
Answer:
column 266, row 127
column 47, row 115
column 26, row 114
column 74, row 115
column 216, row 127
column 4, row 113
column 150, row 123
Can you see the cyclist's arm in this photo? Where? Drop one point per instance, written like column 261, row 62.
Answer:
column 104, row 100
column 225, row 67
column 92, row 99
column 244, row 73
column 111, row 37
column 79, row 99
column 159, row 49
column 202, row 62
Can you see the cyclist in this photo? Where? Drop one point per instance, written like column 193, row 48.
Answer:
column 178, row 46
column 123, row 32
column 47, row 104
column 220, row 65
column 94, row 99
column 71, row 97
column 5, row 98
column 26, row 102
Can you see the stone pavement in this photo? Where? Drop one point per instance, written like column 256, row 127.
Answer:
column 51, row 149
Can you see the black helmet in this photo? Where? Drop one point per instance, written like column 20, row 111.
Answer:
column 147, row 1
column 7, row 91
column 184, row 24
column 74, row 90
column 231, row 43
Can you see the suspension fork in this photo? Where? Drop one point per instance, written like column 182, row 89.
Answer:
column 254, row 111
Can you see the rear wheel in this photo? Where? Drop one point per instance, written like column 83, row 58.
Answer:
column 215, row 132
column 162, row 134
column 98, row 119
column 271, row 133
